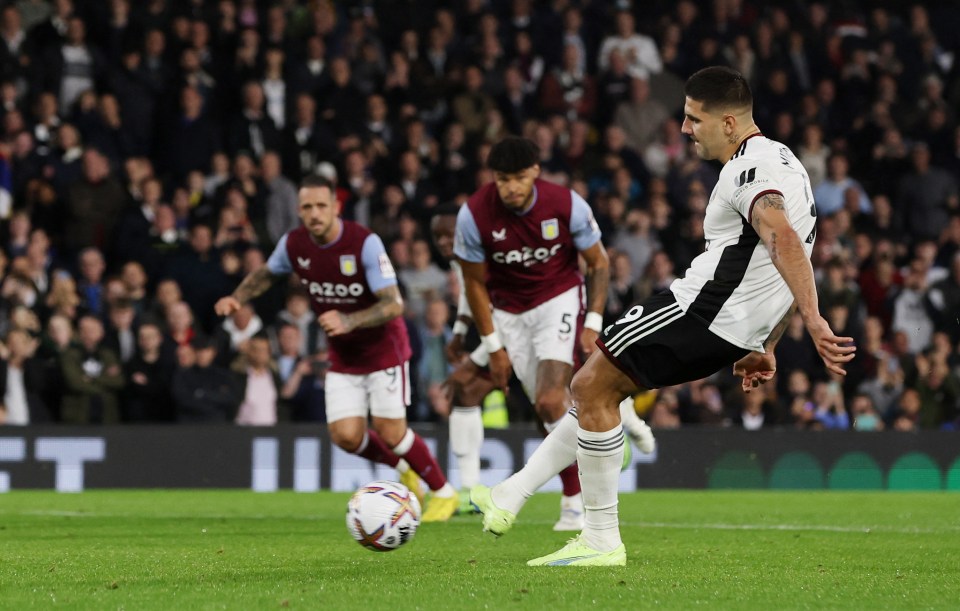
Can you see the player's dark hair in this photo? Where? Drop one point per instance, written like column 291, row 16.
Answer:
column 313, row 181
column 513, row 154
column 719, row 88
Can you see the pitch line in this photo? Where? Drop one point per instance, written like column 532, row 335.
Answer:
column 626, row 523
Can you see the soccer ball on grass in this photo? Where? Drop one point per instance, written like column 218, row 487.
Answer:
column 383, row 515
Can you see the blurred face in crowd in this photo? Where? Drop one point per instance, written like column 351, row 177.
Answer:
column 442, row 227
column 258, row 352
column 318, row 210
column 149, row 338
column 289, row 339
column 90, row 332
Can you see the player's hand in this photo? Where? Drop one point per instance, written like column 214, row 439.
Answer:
column 226, row 306
column 454, row 350
column 335, row 322
column 755, row 369
column 835, row 351
column 588, row 342
column 500, row 369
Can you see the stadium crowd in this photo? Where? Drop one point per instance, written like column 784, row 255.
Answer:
column 150, row 153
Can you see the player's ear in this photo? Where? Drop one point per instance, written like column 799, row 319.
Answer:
column 535, row 168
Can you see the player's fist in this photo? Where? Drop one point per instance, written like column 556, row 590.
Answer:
column 588, row 342
column 334, row 323
column 226, row 306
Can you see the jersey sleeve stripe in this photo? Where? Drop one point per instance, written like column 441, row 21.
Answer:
column 755, row 198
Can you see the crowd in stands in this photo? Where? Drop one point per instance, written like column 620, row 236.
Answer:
column 150, row 152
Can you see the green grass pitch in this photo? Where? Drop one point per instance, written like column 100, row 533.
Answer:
column 242, row 550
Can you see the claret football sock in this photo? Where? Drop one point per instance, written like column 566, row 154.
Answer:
column 413, row 449
column 374, row 448
column 599, row 456
column 557, row 451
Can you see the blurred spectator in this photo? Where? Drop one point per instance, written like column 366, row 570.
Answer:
column 22, row 381
column 304, row 389
column 865, row 414
column 639, row 51
column 261, row 384
column 93, row 378
column 280, row 197
column 829, row 408
column 94, row 205
column 829, row 194
column 148, row 393
column 202, row 391
column 910, row 314
column 928, row 195
column 640, row 117
column 423, row 280
column 121, row 330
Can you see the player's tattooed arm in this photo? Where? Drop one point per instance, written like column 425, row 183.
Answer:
column 254, row 285
column 389, row 305
column 770, row 201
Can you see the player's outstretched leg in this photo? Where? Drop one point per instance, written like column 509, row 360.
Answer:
column 598, row 388
column 501, row 504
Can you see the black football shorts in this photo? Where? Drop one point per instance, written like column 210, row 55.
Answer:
column 656, row 344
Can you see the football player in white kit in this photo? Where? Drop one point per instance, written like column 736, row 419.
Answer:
column 731, row 306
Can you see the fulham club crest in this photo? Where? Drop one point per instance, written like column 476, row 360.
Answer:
column 348, row 265
column 550, row 229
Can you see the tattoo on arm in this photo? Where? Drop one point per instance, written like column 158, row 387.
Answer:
column 389, row 305
column 773, row 201
column 780, row 327
column 254, row 285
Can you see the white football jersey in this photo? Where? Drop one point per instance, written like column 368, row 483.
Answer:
column 733, row 285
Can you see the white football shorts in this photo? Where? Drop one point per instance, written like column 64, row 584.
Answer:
column 547, row 332
column 384, row 394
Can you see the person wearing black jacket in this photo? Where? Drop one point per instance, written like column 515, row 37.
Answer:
column 202, row 391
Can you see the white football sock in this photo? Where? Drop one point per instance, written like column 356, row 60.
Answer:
column 466, row 437
column 599, row 457
column 557, row 451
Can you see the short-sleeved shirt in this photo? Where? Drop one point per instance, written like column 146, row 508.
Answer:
column 345, row 275
column 531, row 257
column 734, row 286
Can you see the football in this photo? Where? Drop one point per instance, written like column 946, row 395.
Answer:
column 383, row 515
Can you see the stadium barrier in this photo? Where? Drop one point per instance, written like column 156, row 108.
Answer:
column 301, row 458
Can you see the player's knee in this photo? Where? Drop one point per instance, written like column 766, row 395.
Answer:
column 346, row 440
column 551, row 404
column 582, row 390
column 392, row 434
